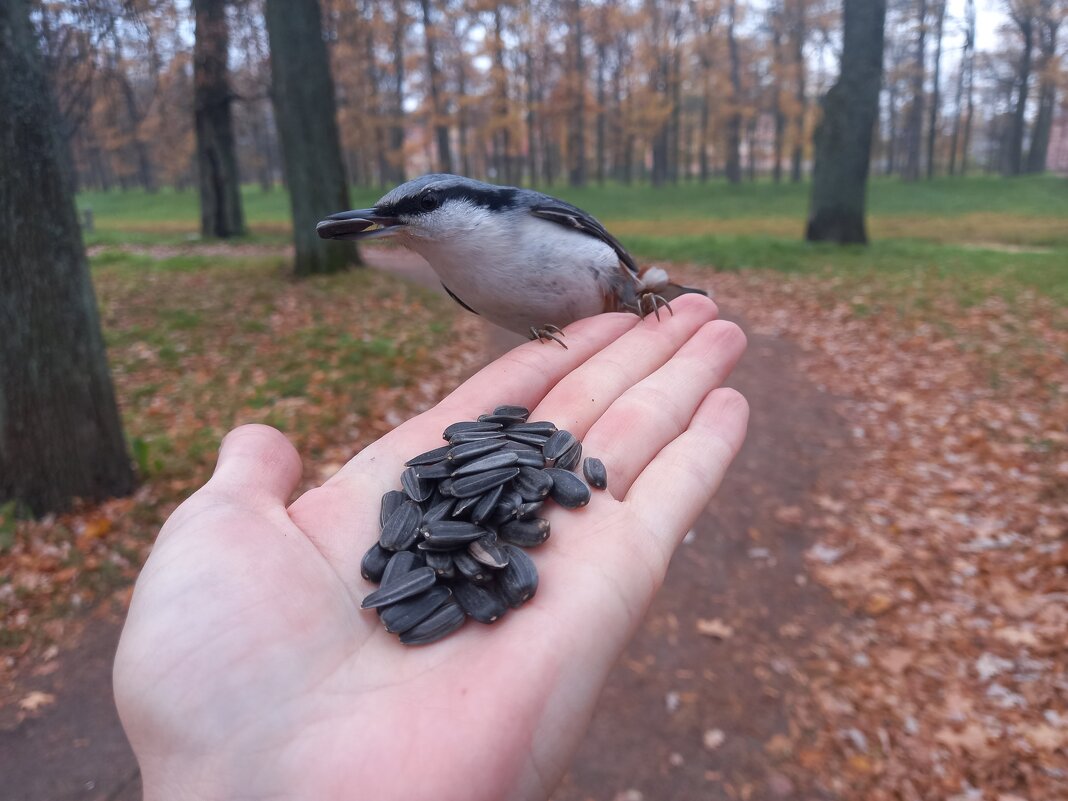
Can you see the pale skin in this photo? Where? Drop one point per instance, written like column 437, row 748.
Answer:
column 248, row 670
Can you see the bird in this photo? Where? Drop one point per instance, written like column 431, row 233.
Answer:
column 525, row 261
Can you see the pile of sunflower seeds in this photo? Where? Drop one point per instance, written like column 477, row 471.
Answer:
column 453, row 541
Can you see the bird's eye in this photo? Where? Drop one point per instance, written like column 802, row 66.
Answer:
column 429, row 201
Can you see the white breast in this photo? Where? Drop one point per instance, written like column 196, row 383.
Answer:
column 517, row 270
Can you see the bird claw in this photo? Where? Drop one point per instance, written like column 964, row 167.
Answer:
column 655, row 303
column 547, row 332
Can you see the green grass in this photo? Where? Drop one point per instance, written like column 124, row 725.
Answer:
column 978, row 226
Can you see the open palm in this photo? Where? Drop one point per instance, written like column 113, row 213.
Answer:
column 247, row 669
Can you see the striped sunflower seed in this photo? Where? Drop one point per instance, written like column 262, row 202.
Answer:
column 400, row 563
column 527, row 437
column 513, row 411
column 503, row 419
column 470, row 568
column 464, row 505
column 542, row 428
column 568, row 490
column 439, row 509
column 488, row 553
column 490, row 462
column 402, row 529
column 480, row 603
column 409, row 613
column 390, row 501
column 430, row 457
column 518, row 581
column 442, row 535
column 530, row 458
column 374, row 562
column 487, row 502
column 448, row 617
column 558, row 444
column 442, row 563
column 432, row 472
column 594, row 471
column 418, row 489
column 404, row 586
column 570, row 459
column 482, row 482
column 525, row 533
column 528, row 509
column 463, row 437
column 458, row 454
column 468, row 426
column 533, row 484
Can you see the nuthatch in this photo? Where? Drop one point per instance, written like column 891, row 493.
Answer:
column 523, row 260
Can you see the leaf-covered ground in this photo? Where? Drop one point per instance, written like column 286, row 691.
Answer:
column 946, row 537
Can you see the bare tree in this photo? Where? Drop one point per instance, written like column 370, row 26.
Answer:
column 965, row 73
column 734, row 120
column 1022, row 13
column 1049, row 20
column 932, row 120
column 914, row 121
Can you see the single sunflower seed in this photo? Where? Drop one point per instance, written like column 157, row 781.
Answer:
column 432, row 472
column 409, row 613
column 439, row 509
column 400, row 563
column 488, row 552
column 480, row 603
column 568, row 490
column 463, row 437
column 530, row 458
column 481, row 482
column 430, row 457
column 405, row 586
column 558, row 444
column 445, row 534
column 527, row 437
column 464, row 505
column 540, row 427
column 490, row 462
column 528, row 509
column 459, row 454
column 513, row 411
column 570, row 458
column 486, row 504
column 442, row 563
column 470, row 568
column 402, row 529
column 390, row 501
column 533, row 484
column 448, row 617
column 518, row 580
column 374, row 562
column 468, row 426
column 503, row 419
column 418, row 489
column 525, row 533
column 594, row 471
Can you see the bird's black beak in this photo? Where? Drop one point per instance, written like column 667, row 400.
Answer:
column 358, row 224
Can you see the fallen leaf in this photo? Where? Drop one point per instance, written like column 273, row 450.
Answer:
column 714, row 738
column 715, row 628
column 35, row 700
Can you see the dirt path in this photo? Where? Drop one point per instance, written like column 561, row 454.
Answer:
column 686, row 714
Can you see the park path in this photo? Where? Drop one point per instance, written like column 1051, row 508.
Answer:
column 698, row 707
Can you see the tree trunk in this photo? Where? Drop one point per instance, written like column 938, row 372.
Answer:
column 1047, row 93
column 576, row 144
column 441, row 127
column 734, row 121
column 304, row 111
column 914, row 121
column 800, row 32
column 958, row 105
column 843, row 138
column 967, row 139
column 932, row 120
column 461, row 115
column 602, row 113
column 776, row 107
column 60, row 432
column 221, row 214
column 396, row 132
column 1025, row 22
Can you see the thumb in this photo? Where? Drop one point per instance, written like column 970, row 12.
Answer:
column 257, row 465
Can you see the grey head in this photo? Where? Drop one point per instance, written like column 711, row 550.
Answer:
column 434, row 206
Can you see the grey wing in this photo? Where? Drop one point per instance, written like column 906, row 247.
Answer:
column 565, row 214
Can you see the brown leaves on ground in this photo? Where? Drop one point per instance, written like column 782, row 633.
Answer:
column 333, row 362
column 948, row 535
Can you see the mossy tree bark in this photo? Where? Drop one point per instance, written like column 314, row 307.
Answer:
column 306, row 116
column 60, row 432
column 221, row 214
column 843, row 137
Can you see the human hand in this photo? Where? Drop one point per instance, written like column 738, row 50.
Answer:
column 247, row 668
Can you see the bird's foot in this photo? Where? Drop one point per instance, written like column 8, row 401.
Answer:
column 546, row 332
column 651, row 302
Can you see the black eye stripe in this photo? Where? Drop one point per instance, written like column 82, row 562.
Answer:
column 492, row 198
